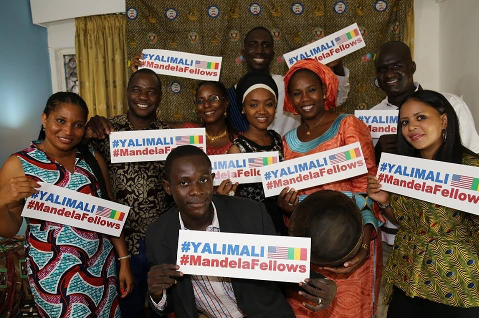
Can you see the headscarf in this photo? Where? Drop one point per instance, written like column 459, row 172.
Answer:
column 328, row 79
column 252, row 81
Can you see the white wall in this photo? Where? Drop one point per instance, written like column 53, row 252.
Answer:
column 426, row 43
column 61, row 36
column 58, row 16
column 55, row 10
column 459, row 51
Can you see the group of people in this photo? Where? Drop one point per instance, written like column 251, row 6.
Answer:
column 433, row 266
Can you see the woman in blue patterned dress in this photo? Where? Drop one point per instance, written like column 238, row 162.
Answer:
column 71, row 271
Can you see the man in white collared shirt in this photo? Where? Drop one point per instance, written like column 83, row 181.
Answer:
column 394, row 71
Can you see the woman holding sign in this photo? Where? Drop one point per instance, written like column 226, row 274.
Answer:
column 71, row 270
column 258, row 94
column 432, row 270
column 212, row 108
column 311, row 91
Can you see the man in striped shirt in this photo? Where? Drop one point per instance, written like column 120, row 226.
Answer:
column 190, row 181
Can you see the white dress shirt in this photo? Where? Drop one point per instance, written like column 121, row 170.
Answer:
column 214, row 296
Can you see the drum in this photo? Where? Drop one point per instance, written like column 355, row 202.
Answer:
column 14, row 288
column 333, row 222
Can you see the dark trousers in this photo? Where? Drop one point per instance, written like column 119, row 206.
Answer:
column 134, row 304
column 402, row 306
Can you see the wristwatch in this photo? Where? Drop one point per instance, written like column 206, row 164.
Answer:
column 385, row 206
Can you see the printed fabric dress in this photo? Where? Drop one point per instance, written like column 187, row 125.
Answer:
column 436, row 252
column 211, row 150
column 71, row 271
column 254, row 191
column 357, row 292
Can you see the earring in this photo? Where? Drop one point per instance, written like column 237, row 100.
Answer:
column 224, row 113
column 444, row 135
column 324, row 96
column 242, row 112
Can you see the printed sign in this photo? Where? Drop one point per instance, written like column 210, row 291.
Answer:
column 182, row 64
column 69, row 207
column 379, row 122
column 452, row 185
column 152, row 145
column 329, row 48
column 263, row 257
column 312, row 170
column 243, row 167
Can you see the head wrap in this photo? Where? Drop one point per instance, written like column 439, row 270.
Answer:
column 328, row 79
column 252, row 81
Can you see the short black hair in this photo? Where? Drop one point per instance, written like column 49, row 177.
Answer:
column 398, row 47
column 181, row 152
column 144, row 71
column 256, row 29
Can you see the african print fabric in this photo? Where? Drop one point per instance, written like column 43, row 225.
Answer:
column 137, row 185
column 218, row 28
column 210, row 149
column 435, row 253
column 71, row 271
column 357, row 293
column 254, row 191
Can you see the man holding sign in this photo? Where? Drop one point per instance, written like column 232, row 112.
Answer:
column 190, row 181
column 146, row 198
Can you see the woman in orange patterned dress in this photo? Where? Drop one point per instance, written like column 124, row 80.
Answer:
column 311, row 90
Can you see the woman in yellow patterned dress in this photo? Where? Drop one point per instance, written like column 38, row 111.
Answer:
column 433, row 268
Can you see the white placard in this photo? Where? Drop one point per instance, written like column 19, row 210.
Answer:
column 329, row 48
column 312, row 170
column 379, row 122
column 449, row 184
column 182, row 64
column 262, row 257
column 152, row 145
column 241, row 167
column 69, row 207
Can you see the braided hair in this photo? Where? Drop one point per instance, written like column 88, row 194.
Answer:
column 53, row 103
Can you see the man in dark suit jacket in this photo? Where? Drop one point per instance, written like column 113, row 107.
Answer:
column 190, row 181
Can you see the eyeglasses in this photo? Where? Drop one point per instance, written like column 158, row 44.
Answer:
column 211, row 100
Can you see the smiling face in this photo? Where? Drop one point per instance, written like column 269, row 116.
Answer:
column 306, row 94
column 64, row 127
column 144, row 95
column 421, row 126
column 191, row 185
column 259, row 107
column 394, row 70
column 211, row 104
column 258, row 50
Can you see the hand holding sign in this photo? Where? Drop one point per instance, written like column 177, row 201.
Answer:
column 375, row 192
column 288, row 199
column 18, row 188
column 227, row 187
column 162, row 277
column 135, row 62
column 98, row 127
